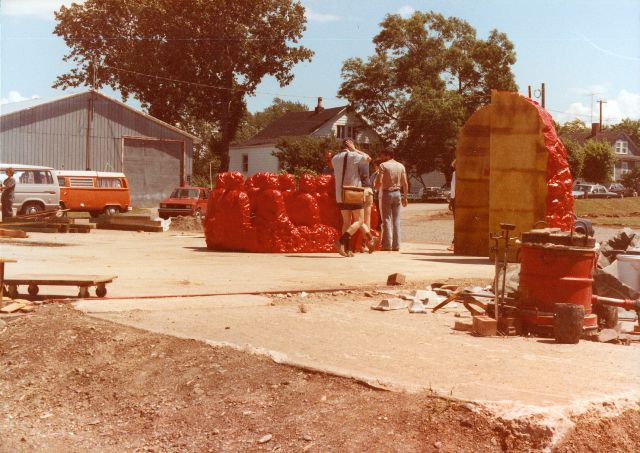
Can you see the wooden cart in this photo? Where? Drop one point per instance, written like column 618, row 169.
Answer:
column 83, row 282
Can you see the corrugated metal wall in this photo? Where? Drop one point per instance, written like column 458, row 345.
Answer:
column 55, row 134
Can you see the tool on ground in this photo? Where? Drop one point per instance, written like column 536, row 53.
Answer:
column 501, row 267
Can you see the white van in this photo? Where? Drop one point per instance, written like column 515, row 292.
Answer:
column 36, row 189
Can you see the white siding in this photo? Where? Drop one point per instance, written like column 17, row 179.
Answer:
column 261, row 159
column 365, row 135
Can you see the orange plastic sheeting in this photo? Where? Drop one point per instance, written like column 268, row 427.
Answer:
column 267, row 213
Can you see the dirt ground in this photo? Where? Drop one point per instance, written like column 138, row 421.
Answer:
column 69, row 382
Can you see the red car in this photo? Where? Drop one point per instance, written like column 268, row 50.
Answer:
column 185, row 201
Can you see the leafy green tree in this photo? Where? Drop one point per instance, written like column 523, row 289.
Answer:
column 252, row 123
column 632, row 179
column 427, row 75
column 576, row 125
column 575, row 156
column 599, row 161
column 631, row 127
column 183, row 58
column 305, row 152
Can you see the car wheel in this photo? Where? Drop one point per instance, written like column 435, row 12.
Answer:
column 32, row 208
column 111, row 210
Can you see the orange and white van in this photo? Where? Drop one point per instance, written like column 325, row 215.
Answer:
column 95, row 192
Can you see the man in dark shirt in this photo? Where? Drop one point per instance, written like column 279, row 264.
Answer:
column 8, row 188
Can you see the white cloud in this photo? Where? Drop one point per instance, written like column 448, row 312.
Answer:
column 406, row 11
column 38, row 8
column 15, row 96
column 321, row 17
column 624, row 105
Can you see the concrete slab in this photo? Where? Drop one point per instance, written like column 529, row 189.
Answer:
column 163, row 263
column 395, row 349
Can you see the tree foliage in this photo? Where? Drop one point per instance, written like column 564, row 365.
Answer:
column 252, row 123
column 183, row 58
column 427, row 75
column 631, row 127
column 632, row 179
column 575, row 156
column 573, row 126
column 599, row 161
column 295, row 153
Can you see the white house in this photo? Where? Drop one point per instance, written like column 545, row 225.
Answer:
column 256, row 154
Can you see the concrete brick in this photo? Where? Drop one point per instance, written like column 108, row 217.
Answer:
column 462, row 326
column 485, row 326
column 396, row 279
column 393, row 303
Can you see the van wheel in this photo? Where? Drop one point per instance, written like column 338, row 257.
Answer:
column 111, row 210
column 32, row 208
column 198, row 215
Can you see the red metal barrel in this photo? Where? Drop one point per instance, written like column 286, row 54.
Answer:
column 553, row 274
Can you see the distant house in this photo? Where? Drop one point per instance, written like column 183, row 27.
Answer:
column 256, row 154
column 626, row 150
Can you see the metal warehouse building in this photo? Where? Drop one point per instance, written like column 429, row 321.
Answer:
column 91, row 131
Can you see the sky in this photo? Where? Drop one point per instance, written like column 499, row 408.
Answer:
column 582, row 50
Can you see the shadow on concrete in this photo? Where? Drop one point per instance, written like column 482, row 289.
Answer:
column 459, row 261
column 315, row 256
column 438, row 253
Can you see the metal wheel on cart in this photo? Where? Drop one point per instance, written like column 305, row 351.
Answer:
column 101, row 291
column 33, row 290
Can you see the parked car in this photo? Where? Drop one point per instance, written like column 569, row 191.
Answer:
column 36, row 190
column 185, row 201
column 436, row 194
column 95, row 192
column 621, row 190
column 415, row 195
column 593, row 191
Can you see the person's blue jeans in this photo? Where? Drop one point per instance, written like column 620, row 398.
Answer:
column 391, row 202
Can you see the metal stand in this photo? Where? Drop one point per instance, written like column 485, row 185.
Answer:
column 501, row 267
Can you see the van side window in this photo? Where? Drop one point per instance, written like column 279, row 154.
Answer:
column 61, row 181
column 34, row 177
column 80, row 182
column 113, row 183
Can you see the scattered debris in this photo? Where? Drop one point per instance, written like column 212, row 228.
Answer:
column 266, row 438
column 462, row 326
column 485, row 326
column 13, row 307
column 368, row 294
column 396, row 279
column 302, row 308
column 417, row 307
column 304, row 294
column 185, row 223
column 393, row 303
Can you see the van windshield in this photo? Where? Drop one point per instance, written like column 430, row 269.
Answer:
column 184, row 193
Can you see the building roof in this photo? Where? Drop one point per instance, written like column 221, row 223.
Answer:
column 293, row 124
column 609, row 136
column 15, row 107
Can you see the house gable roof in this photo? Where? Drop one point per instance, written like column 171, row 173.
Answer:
column 293, row 124
column 609, row 136
column 32, row 104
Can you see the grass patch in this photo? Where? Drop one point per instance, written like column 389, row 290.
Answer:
column 615, row 207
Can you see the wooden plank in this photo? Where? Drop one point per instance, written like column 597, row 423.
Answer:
column 59, row 279
column 145, row 228
column 13, row 233
column 12, row 307
column 126, row 221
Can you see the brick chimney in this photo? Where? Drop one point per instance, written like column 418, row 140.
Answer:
column 595, row 129
column 319, row 108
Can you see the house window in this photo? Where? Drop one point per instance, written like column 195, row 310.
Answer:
column 245, row 163
column 346, row 132
column 624, row 168
column 621, row 147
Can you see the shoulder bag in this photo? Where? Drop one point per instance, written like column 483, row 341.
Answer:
column 351, row 195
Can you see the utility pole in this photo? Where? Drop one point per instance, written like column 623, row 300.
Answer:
column 600, row 101
column 542, row 94
column 529, row 91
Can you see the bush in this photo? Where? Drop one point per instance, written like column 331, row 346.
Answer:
column 575, row 157
column 599, row 161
